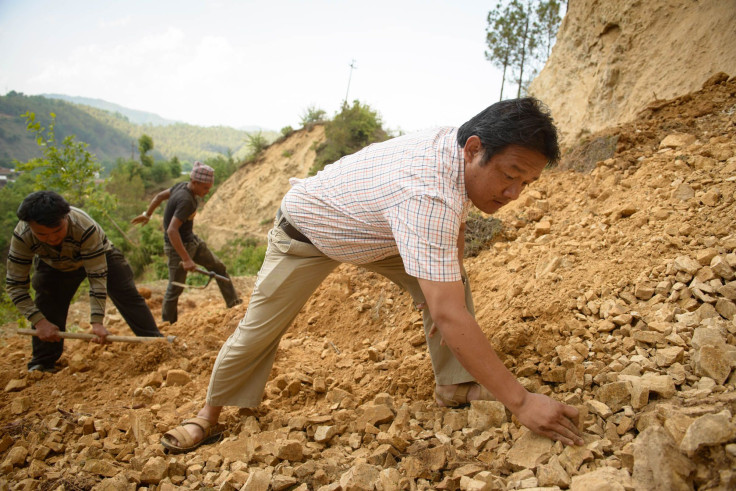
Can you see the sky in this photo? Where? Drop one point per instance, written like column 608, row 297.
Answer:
column 419, row 64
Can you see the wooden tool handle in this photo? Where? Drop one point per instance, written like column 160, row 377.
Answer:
column 111, row 338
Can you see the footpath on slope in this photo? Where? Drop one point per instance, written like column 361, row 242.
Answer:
column 612, row 290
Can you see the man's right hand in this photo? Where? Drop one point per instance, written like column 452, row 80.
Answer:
column 140, row 219
column 545, row 416
column 47, row 331
column 188, row 265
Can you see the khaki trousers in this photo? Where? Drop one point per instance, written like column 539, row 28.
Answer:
column 291, row 272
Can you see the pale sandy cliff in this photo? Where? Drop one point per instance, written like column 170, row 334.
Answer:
column 613, row 57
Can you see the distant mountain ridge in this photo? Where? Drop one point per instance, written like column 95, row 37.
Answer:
column 112, row 131
column 134, row 116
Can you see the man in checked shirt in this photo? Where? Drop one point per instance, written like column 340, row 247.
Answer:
column 397, row 208
column 65, row 245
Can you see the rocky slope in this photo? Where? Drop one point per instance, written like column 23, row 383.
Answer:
column 612, row 290
column 246, row 204
column 613, row 57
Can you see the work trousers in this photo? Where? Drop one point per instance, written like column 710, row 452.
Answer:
column 291, row 272
column 200, row 254
column 55, row 290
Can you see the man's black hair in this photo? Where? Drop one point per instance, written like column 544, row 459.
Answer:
column 525, row 122
column 46, row 208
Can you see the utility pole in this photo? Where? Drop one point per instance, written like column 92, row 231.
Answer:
column 352, row 67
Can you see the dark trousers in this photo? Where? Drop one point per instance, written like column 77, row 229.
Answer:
column 200, row 254
column 55, row 290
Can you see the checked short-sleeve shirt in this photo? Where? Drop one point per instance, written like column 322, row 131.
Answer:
column 403, row 196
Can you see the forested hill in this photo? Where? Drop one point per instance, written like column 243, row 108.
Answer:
column 110, row 135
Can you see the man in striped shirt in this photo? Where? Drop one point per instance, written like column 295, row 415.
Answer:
column 65, row 245
column 397, row 208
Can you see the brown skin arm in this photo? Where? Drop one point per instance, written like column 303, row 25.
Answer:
column 178, row 245
column 460, row 253
column 462, row 334
column 157, row 200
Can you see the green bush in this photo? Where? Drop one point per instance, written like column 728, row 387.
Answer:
column 352, row 129
column 312, row 115
column 243, row 257
column 224, row 166
column 257, row 143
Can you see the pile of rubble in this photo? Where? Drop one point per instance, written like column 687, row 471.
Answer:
column 613, row 291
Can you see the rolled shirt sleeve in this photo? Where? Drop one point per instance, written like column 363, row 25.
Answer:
column 426, row 231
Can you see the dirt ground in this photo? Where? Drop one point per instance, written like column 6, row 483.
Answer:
column 611, row 289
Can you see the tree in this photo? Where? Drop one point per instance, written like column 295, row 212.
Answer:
column 145, row 145
column 546, row 23
column 502, row 39
column 67, row 168
column 528, row 40
column 175, row 167
column 520, row 34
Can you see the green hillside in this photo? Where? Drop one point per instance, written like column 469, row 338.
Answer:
column 110, row 135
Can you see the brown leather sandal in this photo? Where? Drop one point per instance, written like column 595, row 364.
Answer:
column 460, row 397
column 179, row 440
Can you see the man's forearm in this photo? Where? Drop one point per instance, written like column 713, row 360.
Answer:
column 475, row 353
column 178, row 244
column 157, row 200
column 464, row 337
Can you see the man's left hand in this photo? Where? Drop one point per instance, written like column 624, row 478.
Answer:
column 99, row 330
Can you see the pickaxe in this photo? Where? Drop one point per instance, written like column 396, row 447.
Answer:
column 212, row 275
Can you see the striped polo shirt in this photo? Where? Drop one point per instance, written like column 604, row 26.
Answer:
column 85, row 245
column 404, row 196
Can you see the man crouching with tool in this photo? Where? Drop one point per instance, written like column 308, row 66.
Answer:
column 184, row 249
column 66, row 245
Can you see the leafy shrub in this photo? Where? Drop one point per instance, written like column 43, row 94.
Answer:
column 257, row 143
column 224, row 166
column 243, row 257
column 312, row 115
column 352, row 129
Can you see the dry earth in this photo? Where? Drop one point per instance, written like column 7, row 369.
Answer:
column 611, row 289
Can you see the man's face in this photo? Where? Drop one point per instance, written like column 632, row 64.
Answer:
column 503, row 177
column 200, row 188
column 52, row 236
